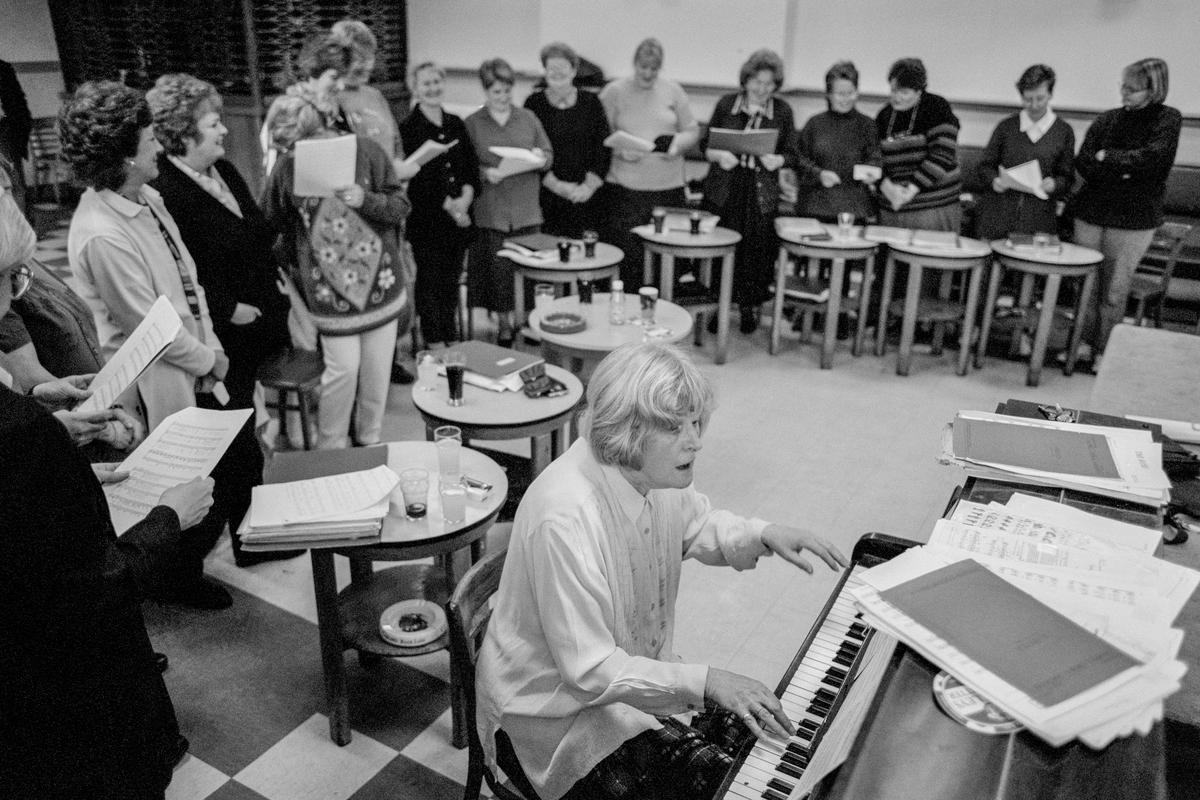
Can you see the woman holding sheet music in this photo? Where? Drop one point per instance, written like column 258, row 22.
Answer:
column 743, row 189
column 1034, row 134
column 508, row 201
column 441, row 194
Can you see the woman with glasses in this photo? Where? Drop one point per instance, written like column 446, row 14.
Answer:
column 576, row 126
column 744, row 189
column 832, row 144
column 918, row 134
column 1125, row 158
column 1034, row 134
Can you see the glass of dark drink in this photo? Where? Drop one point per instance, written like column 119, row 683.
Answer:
column 455, row 363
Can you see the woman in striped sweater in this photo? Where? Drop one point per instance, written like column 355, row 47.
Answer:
column 918, row 135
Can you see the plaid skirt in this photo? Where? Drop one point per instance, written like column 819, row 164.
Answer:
column 676, row 761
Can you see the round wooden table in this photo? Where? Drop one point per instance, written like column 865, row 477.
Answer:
column 838, row 250
column 970, row 255
column 605, row 264
column 720, row 243
column 350, row 618
column 1067, row 261
column 586, row 348
column 488, row 415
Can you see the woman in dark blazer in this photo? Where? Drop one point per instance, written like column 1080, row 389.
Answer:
column 743, row 189
column 230, row 241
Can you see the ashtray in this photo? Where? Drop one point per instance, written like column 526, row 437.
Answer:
column 412, row 623
column 563, row 322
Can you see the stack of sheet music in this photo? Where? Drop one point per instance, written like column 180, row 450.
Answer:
column 348, row 506
column 1060, row 618
column 1122, row 463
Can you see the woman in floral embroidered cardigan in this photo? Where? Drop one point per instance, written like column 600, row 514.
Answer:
column 345, row 263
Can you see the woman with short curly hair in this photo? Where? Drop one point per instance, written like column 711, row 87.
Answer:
column 230, row 241
column 125, row 252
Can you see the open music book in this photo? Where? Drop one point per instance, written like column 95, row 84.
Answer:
column 515, row 160
column 428, row 151
column 1025, row 177
column 759, row 142
column 620, row 140
column 143, row 347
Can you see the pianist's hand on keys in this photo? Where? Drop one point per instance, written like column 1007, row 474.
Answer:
column 790, row 543
column 757, row 705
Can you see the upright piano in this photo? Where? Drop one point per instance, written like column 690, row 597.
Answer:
column 903, row 746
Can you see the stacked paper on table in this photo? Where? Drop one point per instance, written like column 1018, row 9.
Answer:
column 887, row 234
column 938, row 240
column 799, row 227
column 679, row 220
column 1122, row 463
column 351, row 505
column 1067, row 634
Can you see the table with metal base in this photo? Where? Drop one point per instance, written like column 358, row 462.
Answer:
column 498, row 416
column 718, row 244
column 1069, row 261
column 838, row 250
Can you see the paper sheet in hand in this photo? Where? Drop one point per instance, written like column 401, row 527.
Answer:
column 324, row 165
column 867, row 173
column 185, row 445
column 428, row 151
column 620, row 140
column 1034, row 648
column 515, row 160
column 140, row 350
column 1025, row 177
column 1017, row 445
column 758, row 142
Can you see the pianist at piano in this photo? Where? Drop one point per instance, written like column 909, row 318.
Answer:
column 577, row 668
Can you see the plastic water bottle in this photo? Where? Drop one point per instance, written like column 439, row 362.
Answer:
column 616, row 303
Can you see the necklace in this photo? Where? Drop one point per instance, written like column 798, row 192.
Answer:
column 912, row 120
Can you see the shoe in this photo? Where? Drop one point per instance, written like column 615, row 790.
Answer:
column 245, row 559
column 505, row 341
column 161, row 661
column 749, row 317
column 712, row 322
column 1084, row 354
column 200, row 593
column 401, row 376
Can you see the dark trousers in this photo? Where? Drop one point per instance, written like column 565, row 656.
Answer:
column 626, row 209
column 439, row 265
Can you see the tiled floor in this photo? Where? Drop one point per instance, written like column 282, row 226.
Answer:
column 841, row 451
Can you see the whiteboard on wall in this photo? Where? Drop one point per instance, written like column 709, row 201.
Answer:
column 974, row 49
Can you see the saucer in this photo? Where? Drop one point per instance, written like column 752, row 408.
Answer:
column 412, row 623
column 563, row 322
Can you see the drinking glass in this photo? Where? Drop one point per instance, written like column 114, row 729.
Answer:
column 845, row 222
column 414, row 485
column 564, row 250
column 589, row 243
column 658, row 217
column 454, row 501
column 427, row 370
column 448, row 439
column 694, row 222
column 455, row 361
column 543, row 296
column 649, row 299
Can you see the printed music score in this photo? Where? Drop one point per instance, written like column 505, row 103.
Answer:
column 143, row 347
column 186, row 445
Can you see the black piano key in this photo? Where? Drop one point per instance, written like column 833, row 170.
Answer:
column 780, row 785
column 844, row 660
column 797, row 757
column 826, row 695
column 858, row 630
column 836, row 672
column 789, row 769
column 808, row 725
column 771, row 794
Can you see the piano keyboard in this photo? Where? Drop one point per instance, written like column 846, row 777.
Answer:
column 773, row 767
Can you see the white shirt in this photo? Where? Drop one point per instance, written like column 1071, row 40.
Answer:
column 578, row 656
column 1036, row 130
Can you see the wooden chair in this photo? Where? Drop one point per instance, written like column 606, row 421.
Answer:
column 1152, row 280
column 467, row 615
column 295, row 377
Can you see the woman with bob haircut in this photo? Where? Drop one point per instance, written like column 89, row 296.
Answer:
column 577, row 673
column 576, row 126
column 1124, row 160
column 1036, row 133
column 744, row 190
column 230, row 241
column 125, row 252
column 507, row 205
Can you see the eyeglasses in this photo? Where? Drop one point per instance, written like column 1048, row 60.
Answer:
column 1127, row 89
column 21, row 278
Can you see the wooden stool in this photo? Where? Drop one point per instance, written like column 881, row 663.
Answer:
column 295, row 376
column 838, row 251
column 718, row 244
column 970, row 255
column 1071, row 261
